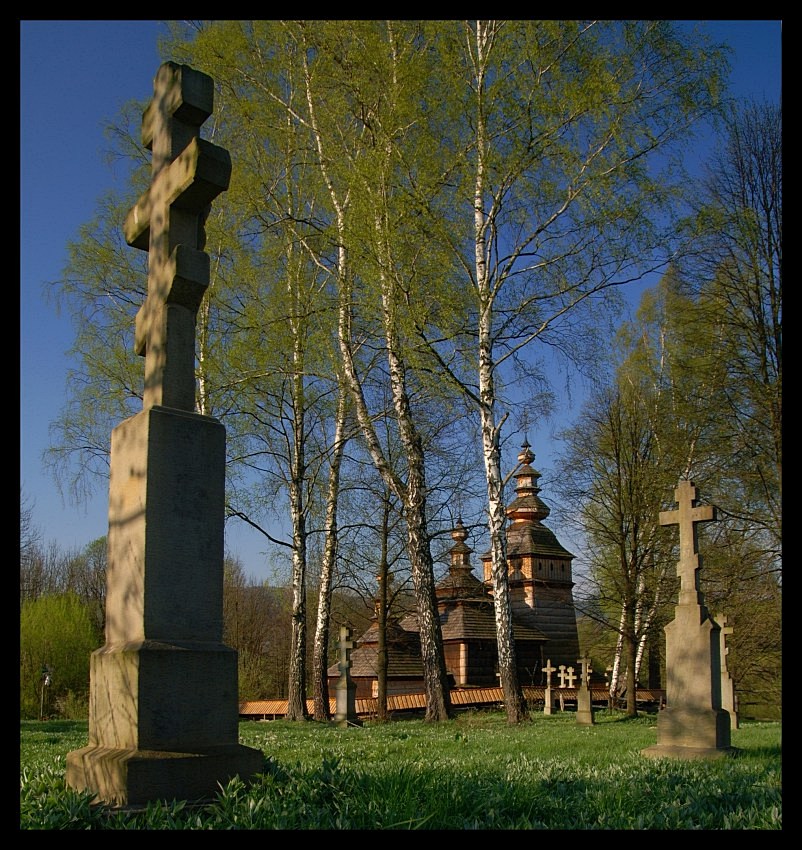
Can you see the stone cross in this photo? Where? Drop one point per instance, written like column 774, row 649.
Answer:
column 150, row 738
column 571, row 676
column 725, row 632
column 586, row 670
column 346, row 687
column 729, row 699
column 346, row 647
column 168, row 221
column 547, row 697
column 687, row 517
column 562, row 675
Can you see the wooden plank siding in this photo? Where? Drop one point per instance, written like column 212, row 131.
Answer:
column 274, row 709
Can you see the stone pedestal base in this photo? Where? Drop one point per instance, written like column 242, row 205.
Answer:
column 669, row 752
column 693, row 725
column 692, row 733
column 346, row 705
column 136, row 777
column 157, row 730
column 163, row 701
column 584, row 710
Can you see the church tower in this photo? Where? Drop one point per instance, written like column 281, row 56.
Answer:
column 541, row 582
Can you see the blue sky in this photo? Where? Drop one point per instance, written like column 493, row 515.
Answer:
column 74, row 77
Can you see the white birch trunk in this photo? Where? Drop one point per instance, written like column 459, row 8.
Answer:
column 491, row 430
column 321, row 646
column 296, row 704
column 412, row 494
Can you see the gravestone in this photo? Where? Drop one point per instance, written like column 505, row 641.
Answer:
column 584, row 702
column 163, row 704
column 728, row 697
column 346, row 687
column 608, row 675
column 693, row 723
column 548, row 703
column 567, row 677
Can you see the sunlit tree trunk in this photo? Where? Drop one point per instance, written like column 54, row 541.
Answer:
column 321, row 647
column 514, row 701
column 296, row 705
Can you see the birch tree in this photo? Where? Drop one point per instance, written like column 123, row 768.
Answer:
column 734, row 263
column 365, row 110
column 557, row 129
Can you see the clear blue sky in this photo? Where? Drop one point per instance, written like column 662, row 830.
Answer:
column 74, row 77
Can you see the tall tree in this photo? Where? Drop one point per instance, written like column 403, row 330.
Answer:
column 328, row 562
column 610, row 478
column 370, row 106
column 279, row 319
column 735, row 266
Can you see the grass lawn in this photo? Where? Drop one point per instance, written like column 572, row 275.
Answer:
column 472, row 772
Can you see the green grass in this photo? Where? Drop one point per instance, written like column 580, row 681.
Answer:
column 473, row 772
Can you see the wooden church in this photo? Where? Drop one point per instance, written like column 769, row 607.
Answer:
column 543, row 615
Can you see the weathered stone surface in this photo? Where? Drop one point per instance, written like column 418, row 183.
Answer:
column 345, row 689
column 163, row 703
column 584, row 701
column 693, row 723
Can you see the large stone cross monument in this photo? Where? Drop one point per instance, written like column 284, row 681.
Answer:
column 163, row 703
column 693, row 723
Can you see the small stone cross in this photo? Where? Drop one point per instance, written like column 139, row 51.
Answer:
column 548, row 670
column 687, row 516
column 168, row 221
column 346, row 647
column 562, row 675
column 726, row 630
column 571, row 676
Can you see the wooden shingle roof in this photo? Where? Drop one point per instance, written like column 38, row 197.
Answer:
column 469, row 622
column 403, row 657
column 534, row 540
column 475, row 622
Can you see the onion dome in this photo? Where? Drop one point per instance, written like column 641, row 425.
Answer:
column 527, row 506
column 460, row 582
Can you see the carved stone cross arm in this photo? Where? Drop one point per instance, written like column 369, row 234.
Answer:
column 687, row 516
column 193, row 180
column 168, row 221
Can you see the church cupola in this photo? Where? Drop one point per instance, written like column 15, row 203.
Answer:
column 460, row 551
column 460, row 583
column 527, row 507
column 539, row 567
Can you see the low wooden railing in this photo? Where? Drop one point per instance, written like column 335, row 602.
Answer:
column 274, row 709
